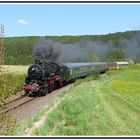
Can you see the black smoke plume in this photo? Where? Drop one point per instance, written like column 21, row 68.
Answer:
column 47, row 50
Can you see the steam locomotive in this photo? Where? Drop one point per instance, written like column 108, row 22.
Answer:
column 43, row 77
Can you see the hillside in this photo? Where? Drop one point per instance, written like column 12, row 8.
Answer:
column 19, row 50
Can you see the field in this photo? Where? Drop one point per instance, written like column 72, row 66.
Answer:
column 16, row 69
column 107, row 106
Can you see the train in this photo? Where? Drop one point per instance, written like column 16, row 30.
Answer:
column 44, row 77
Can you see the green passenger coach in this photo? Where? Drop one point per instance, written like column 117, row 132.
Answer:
column 77, row 70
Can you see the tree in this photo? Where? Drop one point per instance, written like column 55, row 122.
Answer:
column 116, row 54
column 2, row 48
column 94, row 58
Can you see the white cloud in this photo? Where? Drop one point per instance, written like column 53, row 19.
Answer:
column 22, row 21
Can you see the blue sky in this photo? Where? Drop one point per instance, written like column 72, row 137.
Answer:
column 68, row 19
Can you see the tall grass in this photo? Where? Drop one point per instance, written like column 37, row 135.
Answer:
column 10, row 83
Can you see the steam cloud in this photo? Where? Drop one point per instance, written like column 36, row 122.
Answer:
column 57, row 52
column 47, row 50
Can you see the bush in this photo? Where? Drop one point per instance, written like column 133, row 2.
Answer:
column 111, row 72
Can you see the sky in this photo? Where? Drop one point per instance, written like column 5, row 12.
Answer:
column 68, row 19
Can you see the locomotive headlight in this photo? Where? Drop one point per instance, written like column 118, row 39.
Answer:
column 33, row 69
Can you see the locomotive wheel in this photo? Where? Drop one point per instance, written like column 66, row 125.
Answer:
column 43, row 92
column 50, row 89
column 61, row 84
column 58, row 85
column 31, row 94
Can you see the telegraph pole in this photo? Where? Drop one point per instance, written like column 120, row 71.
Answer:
column 2, row 48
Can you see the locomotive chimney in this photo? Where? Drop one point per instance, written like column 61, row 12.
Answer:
column 37, row 61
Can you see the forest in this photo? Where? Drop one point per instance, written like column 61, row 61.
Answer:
column 123, row 46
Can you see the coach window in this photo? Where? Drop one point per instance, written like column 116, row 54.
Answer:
column 70, row 71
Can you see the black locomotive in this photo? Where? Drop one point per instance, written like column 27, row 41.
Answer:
column 44, row 77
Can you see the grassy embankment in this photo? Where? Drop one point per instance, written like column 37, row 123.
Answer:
column 11, row 79
column 107, row 106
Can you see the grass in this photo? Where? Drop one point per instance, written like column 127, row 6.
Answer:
column 11, row 83
column 107, row 106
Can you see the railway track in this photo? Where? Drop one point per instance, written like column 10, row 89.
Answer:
column 13, row 100
column 16, row 103
column 24, row 108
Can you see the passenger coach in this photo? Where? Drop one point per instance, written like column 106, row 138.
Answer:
column 121, row 64
column 77, row 70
